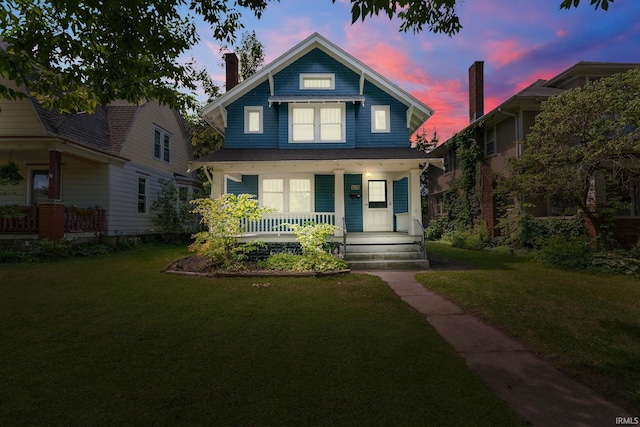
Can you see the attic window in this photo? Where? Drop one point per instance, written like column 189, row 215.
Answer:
column 318, row 81
column 162, row 144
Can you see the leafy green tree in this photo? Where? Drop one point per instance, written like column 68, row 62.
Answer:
column 584, row 147
column 75, row 54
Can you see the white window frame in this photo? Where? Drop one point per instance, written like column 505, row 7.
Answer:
column 490, row 137
column 387, row 125
column 248, row 110
column 316, row 122
column 309, row 77
column 160, row 151
column 287, row 190
column 142, row 196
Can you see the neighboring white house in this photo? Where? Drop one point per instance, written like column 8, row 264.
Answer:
column 87, row 174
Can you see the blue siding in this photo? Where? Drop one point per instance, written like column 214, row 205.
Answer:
column 234, row 134
column 399, row 135
column 400, row 198
column 352, row 206
column 287, row 82
column 249, row 185
column 325, row 193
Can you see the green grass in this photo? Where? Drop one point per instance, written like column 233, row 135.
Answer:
column 112, row 340
column 588, row 324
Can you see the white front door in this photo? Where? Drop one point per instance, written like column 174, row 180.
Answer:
column 378, row 212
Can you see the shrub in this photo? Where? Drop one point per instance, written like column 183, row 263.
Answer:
column 173, row 214
column 477, row 239
column 225, row 218
column 616, row 262
column 436, row 228
column 574, row 253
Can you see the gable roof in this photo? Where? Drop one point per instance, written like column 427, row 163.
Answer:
column 214, row 113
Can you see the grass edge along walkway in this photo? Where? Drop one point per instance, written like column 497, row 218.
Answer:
column 537, row 391
column 113, row 341
column 586, row 324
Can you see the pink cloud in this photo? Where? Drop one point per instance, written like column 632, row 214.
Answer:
column 503, row 52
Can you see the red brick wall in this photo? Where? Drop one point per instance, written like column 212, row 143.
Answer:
column 51, row 221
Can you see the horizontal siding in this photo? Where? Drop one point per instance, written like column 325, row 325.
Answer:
column 138, row 146
column 324, row 193
column 18, row 118
column 122, row 215
column 352, row 206
column 399, row 135
column 234, row 133
column 506, row 147
column 248, row 185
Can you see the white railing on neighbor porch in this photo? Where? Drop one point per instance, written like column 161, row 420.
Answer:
column 276, row 223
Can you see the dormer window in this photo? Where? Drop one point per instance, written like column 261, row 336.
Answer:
column 318, row 81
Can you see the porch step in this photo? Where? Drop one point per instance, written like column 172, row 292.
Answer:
column 416, row 264
column 400, row 256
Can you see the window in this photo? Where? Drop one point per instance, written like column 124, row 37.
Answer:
column 377, row 194
column 162, row 145
column 287, row 194
column 439, row 206
column 39, row 186
column 317, row 123
column 317, row 81
column 142, row 195
column 490, row 142
column 252, row 119
column 380, row 122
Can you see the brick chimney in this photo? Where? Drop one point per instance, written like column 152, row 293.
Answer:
column 476, row 90
column 231, row 62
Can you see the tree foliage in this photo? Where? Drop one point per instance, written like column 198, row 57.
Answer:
column 584, row 146
column 74, row 55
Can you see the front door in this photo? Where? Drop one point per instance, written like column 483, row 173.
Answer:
column 378, row 211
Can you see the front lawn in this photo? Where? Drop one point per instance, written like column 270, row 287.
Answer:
column 588, row 324
column 112, row 340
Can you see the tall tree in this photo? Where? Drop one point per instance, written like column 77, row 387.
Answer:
column 585, row 148
column 76, row 54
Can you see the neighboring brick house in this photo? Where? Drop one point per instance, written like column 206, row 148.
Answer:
column 503, row 126
column 89, row 174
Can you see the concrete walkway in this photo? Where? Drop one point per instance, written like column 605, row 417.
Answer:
column 539, row 393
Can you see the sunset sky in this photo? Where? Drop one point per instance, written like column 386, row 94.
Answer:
column 520, row 41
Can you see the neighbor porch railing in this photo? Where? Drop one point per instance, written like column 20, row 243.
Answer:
column 276, row 223
column 26, row 219
column 18, row 219
column 84, row 219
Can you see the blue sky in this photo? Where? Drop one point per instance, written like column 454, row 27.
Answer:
column 519, row 41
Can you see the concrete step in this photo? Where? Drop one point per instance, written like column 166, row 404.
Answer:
column 381, row 256
column 418, row 264
column 401, row 247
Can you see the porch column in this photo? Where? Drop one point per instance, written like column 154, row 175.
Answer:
column 415, row 201
column 339, row 199
column 217, row 184
column 51, row 221
column 55, row 172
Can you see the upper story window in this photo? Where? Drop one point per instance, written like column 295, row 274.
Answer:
column 317, row 122
column 318, row 81
column 490, row 142
column 162, row 144
column 380, row 122
column 252, row 119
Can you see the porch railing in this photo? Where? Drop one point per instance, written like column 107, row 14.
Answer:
column 18, row 219
column 420, row 238
column 25, row 219
column 277, row 223
column 84, row 220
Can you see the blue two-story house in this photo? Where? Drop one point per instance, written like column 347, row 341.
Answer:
column 320, row 136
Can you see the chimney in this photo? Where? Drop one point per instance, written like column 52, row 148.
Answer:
column 476, row 90
column 231, row 62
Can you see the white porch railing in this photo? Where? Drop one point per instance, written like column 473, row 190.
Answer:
column 276, row 223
